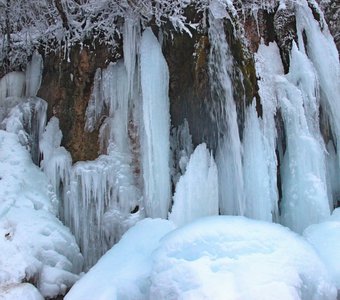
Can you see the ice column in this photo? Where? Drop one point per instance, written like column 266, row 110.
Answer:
column 321, row 50
column 268, row 66
column 229, row 160
column 57, row 164
column 304, row 190
column 197, row 190
column 255, row 169
column 156, row 123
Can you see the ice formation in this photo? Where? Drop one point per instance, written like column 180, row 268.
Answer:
column 304, row 189
column 196, row 192
column 102, row 199
column 56, row 163
column 325, row 238
column 124, row 271
column 229, row 152
column 48, row 255
column 210, row 258
column 242, row 258
column 105, row 199
column 156, row 125
column 258, row 202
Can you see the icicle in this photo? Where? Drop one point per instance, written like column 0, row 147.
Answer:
column 104, row 202
column 33, row 75
column 115, row 94
column 181, row 145
column 56, row 164
column 332, row 176
column 96, row 103
column 28, row 120
column 156, row 120
column 268, row 66
column 255, row 170
column 228, row 156
column 12, row 85
column 105, row 199
column 322, row 51
column 130, row 48
column 305, row 199
column 197, row 190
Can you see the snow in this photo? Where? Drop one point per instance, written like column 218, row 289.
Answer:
column 48, row 255
column 156, row 125
column 244, row 259
column 196, row 192
column 325, row 238
column 23, row 291
column 207, row 259
column 123, row 272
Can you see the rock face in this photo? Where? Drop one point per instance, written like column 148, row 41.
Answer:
column 331, row 10
column 68, row 79
column 67, row 86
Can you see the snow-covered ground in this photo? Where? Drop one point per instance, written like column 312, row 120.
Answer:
column 35, row 246
column 221, row 257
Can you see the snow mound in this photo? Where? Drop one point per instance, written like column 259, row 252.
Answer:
column 22, row 291
column 34, row 244
column 325, row 238
column 208, row 259
column 238, row 257
column 123, row 272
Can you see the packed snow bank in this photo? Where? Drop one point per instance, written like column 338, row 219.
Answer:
column 238, row 257
column 208, row 259
column 34, row 244
column 123, row 272
column 325, row 238
column 22, row 291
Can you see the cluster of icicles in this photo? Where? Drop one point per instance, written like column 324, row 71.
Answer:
column 140, row 160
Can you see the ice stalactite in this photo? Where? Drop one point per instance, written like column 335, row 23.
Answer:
column 181, row 147
column 21, row 111
column 258, row 203
column 156, row 126
column 304, row 189
column 33, row 75
column 229, row 152
column 268, row 65
column 196, row 192
column 315, row 40
column 104, row 197
column 57, row 164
